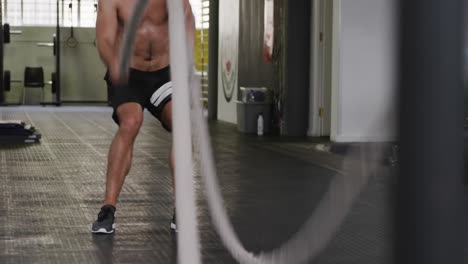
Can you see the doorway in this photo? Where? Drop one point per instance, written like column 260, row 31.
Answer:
column 321, row 68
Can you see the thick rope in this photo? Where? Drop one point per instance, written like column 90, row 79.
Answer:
column 129, row 36
column 318, row 230
column 179, row 57
column 189, row 247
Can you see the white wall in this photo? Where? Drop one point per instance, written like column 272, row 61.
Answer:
column 365, row 80
column 228, row 60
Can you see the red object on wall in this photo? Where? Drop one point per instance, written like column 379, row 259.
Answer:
column 269, row 31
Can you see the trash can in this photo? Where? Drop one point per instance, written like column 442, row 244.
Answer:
column 255, row 101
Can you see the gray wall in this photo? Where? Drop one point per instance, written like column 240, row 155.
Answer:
column 81, row 69
column 466, row 58
column 297, row 67
column 253, row 72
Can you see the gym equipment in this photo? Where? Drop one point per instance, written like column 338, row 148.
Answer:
column 12, row 131
column 7, row 80
column 6, row 33
column 53, row 82
column 2, row 88
column 55, row 76
column 5, row 76
column 29, row 82
column 18, row 132
column 71, row 41
column 33, row 78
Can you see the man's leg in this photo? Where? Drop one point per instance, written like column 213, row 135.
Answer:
column 130, row 117
column 166, row 119
column 120, row 153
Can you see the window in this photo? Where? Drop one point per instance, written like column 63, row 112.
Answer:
column 79, row 13
column 35, row 12
column 201, row 11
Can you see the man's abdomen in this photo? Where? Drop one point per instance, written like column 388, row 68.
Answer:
column 151, row 51
column 153, row 64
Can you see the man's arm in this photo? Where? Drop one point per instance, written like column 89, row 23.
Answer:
column 106, row 31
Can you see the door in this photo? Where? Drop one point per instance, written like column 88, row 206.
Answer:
column 321, row 68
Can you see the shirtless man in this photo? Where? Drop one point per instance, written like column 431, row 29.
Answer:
column 148, row 86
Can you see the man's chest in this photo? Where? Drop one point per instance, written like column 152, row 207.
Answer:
column 155, row 13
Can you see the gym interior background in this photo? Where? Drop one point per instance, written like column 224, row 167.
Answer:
column 332, row 82
column 313, row 82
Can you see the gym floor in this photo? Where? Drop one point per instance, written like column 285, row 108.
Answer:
column 50, row 193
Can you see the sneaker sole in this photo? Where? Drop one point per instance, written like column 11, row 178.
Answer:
column 104, row 231
column 173, row 227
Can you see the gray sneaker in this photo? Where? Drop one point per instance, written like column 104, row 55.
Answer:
column 105, row 222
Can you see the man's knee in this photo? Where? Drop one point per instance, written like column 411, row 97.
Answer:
column 130, row 125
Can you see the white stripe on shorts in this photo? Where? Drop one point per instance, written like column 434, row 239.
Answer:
column 161, row 94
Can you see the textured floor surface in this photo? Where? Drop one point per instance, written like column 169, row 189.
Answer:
column 50, row 193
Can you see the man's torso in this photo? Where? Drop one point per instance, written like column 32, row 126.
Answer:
column 151, row 49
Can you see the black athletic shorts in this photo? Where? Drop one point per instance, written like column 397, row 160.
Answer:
column 152, row 90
